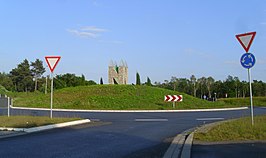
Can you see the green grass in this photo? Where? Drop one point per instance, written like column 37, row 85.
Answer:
column 30, row 121
column 236, row 130
column 257, row 101
column 115, row 97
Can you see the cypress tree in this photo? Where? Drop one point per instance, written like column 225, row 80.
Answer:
column 138, row 79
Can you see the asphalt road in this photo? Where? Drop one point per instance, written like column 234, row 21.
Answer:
column 124, row 134
column 230, row 149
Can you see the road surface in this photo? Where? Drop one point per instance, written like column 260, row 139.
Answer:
column 122, row 135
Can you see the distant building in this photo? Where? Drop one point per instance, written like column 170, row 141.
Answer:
column 118, row 74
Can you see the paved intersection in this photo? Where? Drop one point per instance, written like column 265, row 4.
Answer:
column 124, row 134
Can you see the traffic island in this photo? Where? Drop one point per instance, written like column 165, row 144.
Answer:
column 18, row 125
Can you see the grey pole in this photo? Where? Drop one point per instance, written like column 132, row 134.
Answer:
column 251, row 101
column 52, row 86
column 173, row 104
column 8, row 107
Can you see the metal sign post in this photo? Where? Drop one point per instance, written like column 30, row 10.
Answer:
column 52, row 92
column 248, row 60
column 52, row 62
column 251, row 100
column 8, row 107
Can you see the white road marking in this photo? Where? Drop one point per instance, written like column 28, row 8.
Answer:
column 150, row 120
column 110, row 111
column 95, row 120
column 209, row 119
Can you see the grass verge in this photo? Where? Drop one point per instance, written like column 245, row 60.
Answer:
column 30, row 121
column 257, row 101
column 236, row 130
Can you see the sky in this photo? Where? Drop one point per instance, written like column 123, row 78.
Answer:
column 157, row 38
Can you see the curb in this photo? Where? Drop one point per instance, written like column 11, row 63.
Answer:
column 42, row 128
column 175, row 148
column 112, row 111
column 181, row 145
column 186, row 152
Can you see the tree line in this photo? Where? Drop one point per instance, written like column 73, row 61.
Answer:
column 28, row 77
column 209, row 88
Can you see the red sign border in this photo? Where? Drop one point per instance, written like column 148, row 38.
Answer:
column 52, row 68
column 250, row 42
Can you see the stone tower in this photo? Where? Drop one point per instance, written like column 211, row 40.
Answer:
column 118, row 73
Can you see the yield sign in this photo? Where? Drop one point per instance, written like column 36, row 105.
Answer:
column 246, row 39
column 52, row 61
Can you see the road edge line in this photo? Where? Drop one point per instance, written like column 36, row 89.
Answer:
column 110, row 111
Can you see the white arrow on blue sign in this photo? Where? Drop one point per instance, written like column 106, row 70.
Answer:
column 247, row 60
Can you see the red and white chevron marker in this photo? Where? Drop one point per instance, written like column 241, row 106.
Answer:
column 173, row 98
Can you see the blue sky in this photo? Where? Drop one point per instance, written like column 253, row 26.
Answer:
column 156, row 38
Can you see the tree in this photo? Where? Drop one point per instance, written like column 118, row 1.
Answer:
column 90, row 82
column 138, row 79
column 148, row 83
column 82, row 80
column 237, row 84
column 193, row 81
column 6, row 81
column 22, row 77
column 202, row 85
column 209, row 82
column 101, row 81
column 37, row 70
column 71, row 80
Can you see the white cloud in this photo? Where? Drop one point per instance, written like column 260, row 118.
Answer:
column 87, row 31
column 93, row 29
column 82, row 33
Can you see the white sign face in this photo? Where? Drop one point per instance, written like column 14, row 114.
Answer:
column 52, row 61
column 246, row 39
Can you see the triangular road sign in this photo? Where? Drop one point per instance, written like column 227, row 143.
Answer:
column 52, row 61
column 246, row 39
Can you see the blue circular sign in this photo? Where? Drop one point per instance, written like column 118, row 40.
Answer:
column 247, row 60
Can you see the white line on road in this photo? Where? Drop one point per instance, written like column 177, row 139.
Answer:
column 95, row 120
column 150, row 120
column 209, row 119
column 73, row 110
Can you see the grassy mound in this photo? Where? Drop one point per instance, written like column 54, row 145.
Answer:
column 116, row 97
